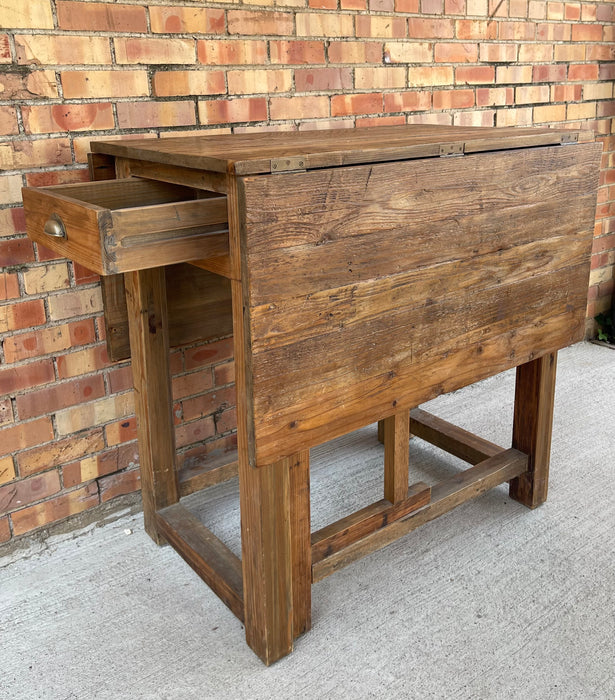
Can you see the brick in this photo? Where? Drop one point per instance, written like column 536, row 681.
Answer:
column 28, row 84
column 355, row 52
column 410, row 6
column 468, row 29
column 186, row 20
column 210, row 354
column 407, row 101
column 379, row 78
column 6, row 411
column 8, row 120
column 358, row 4
column 76, row 303
column 432, row 7
column 586, row 32
column 48, row 340
column 408, row 52
column 15, row 379
column 101, row 17
column 231, row 52
column 258, row 23
column 26, row 15
column 477, row 7
column 606, row 109
column 143, row 115
column 378, row 26
column 429, row 28
column 22, row 493
column 572, row 11
column 453, row 99
column 60, row 452
column 456, row 53
column 497, row 8
column 566, row 93
column 104, row 83
column 60, row 395
column 427, row 76
column 226, row 421
column 607, row 72
column 498, row 53
column 119, row 484
column 7, row 470
column 120, row 379
column 444, row 118
column 555, row 10
column 514, row 117
column 516, row 31
column 75, row 364
column 9, row 286
column 549, row 74
column 553, row 32
column 212, row 402
column 567, row 53
column 23, row 315
column 583, row 72
column 40, row 153
column 10, row 189
column 46, row 278
column 124, row 430
column 224, row 374
column 325, row 4
column 12, row 220
column 93, row 414
column 56, row 177
column 490, row 97
column 297, row 52
column 474, row 75
column 130, row 50
column 368, row 103
column 42, row 49
column 584, row 110
column 189, row 433
column 244, row 82
column 535, row 53
column 308, row 107
column 536, row 9
column 89, row 468
column 550, row 113
column 55, row 509
column 5, row 530
column 325, row 25
column 192, row 384
column 531, row 94
column 513, row 74
column 600, row 52
column 41, row 119
column 25, row 434
column 84, row 276
column 318, row 79
column 5, row 49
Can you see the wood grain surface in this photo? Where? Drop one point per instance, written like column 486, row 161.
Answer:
column 371, row 289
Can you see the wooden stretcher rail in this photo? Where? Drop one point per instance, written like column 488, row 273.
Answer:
column 212, row 560
column 450, row 438
column 216, row 471
column 445, row 495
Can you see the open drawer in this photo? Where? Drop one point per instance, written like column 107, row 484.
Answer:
column 115, row 226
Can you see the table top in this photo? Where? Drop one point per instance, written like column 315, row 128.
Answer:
column 266, row 152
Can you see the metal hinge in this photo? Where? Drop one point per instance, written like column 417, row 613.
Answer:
column 452, row 149
column 283, row 165
column 572, row 137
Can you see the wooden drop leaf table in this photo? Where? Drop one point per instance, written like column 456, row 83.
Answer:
column 361, row 273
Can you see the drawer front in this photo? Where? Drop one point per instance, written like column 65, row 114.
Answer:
column 122, row 225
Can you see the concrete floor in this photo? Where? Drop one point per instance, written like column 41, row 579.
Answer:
column 490, row 601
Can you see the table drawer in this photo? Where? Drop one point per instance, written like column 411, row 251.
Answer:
column 116, row 226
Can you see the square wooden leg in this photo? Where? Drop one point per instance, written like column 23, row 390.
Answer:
column 149, row 341
column 532, row 426
column 276, row 553
column 396, row 459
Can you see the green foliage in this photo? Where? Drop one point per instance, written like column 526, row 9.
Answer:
column 606, row 328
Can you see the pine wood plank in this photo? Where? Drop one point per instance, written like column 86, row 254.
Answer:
column 212, row 560
column 450, row 438
column 396, row 457
column 358, row 525
column 532, row 426
column 213, row 471
column 444, row 496
column 149, row 340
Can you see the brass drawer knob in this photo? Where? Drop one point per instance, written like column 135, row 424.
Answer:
column 55, row 227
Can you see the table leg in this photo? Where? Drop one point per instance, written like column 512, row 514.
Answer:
column 276, row 553
column 396, row 457
column 149, row 342
column 532, row 425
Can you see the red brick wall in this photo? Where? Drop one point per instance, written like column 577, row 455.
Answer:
column 71, row 71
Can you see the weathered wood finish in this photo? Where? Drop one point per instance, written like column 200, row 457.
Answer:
column 342, row 264
column 212, row 560
column 396, row 459
column 450, row 438
column 213, row 471
column 147, row 315
column 199, row 305
column 131, row 224
column 445, row 496
column 532, row 424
